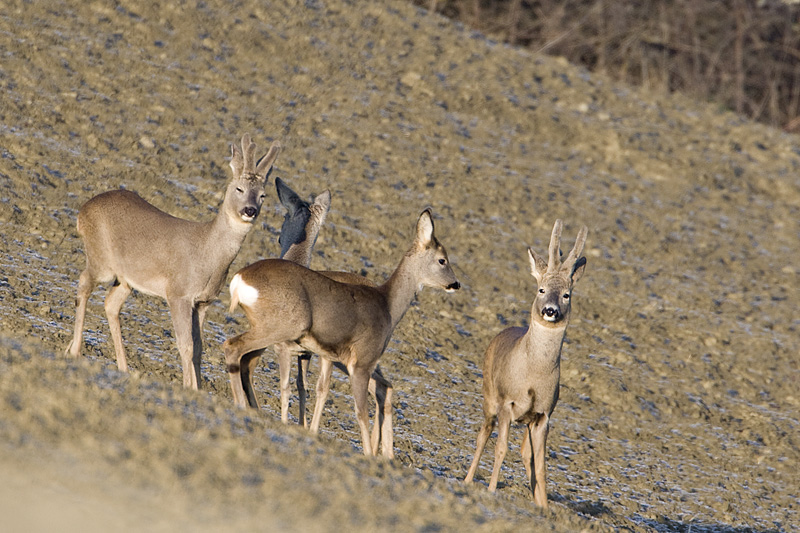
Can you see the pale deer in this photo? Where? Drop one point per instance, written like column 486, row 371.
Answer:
column 346, row 323
column 134, row 245
column 299, row 231
column 521, row 368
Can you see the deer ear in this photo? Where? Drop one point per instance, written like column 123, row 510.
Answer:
column 538, row 265
column 289, row 199
column 323, row 200
column 578, row 268
column 425, row 228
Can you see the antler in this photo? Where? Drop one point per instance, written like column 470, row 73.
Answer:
column 243, row 160
column 265, row 163
column 554, row 261
column 575, row 254
column 249, row 151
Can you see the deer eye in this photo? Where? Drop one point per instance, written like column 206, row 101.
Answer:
column 442, row 262
column 541, row 291
column 239, row 189
column 566, row 296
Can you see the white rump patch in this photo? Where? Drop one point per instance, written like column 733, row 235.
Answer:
column 242, row 292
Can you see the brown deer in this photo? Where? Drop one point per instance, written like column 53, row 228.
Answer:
column 521, row 369
column 299, row 231
column 134, row 245
column 343, row 322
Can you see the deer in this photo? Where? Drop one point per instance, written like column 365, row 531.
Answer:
column 343, row 322
column 521, row 367
column 131, row 244
column 299, row 231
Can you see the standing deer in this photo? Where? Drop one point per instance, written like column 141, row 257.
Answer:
column 299, row 231
column 346, row 323
column 522, row 366
column 137, row 246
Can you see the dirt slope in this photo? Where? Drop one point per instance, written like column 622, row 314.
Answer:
column 679, row 403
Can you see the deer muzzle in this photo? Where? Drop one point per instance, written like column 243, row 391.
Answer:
column 551, row 313
column 249, row 213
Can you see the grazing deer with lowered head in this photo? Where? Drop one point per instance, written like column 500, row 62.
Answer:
column 137, row 246
column 299, row 231
column 346, row 323
column 521, row 368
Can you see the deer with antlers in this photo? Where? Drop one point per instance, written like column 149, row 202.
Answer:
column 133, row 245
column 521, row 368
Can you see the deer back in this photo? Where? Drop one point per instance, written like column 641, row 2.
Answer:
column 324, row 315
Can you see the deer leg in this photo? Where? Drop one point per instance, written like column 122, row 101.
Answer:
column 387, row 429
column 284, row 354
column 235, row 349
column 382, row 431
column 359, row 381
column 323, row 386
column 85, row 287
column 527, row 453
column 185, row 325
column 538, row 442
column 197, row 344
column 302, row 378
column 248, row 365
column 483, row 436
column 114, row 300
column 501, row 446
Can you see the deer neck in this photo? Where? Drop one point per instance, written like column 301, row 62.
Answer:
column 219, row 242
column 543, row 344
column 401, row 289
column 300, row 252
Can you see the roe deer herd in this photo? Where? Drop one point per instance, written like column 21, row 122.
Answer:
column 341, row 316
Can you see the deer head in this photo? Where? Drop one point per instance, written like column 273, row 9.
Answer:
column 246, row 191
column 556, row 278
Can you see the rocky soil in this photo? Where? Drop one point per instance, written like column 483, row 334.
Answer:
column 679, row 406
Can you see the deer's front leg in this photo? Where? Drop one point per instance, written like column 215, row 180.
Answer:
column 185, row 323
column 382, row 430
column 359, row 380
column 501, row 445
column 538, row 443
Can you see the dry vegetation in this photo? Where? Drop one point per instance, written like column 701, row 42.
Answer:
column 743, row 54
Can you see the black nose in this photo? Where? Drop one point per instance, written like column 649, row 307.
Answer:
column 250, row 211
column 454, row 286
column 550, row 311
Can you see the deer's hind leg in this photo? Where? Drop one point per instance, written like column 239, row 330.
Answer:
column 248, row 367
column 302, row 378
column 236, row 350
column 114, row 300
column 86, row 284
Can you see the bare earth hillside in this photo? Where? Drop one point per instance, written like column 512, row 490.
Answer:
column 680, row 399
